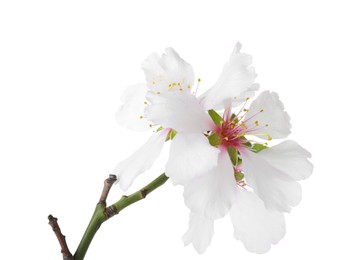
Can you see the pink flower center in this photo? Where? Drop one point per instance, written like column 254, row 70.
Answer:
column 230, row 133
column 233, row 128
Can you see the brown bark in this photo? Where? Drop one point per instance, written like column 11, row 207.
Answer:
column 61, row 238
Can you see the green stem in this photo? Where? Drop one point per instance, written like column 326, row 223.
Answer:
column 103, row 213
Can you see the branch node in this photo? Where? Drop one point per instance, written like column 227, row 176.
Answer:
column 110, row 212
column 144, row 193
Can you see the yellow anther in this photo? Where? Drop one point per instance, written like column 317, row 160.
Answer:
column 158, row 92
column 245, row 110
column 199, row 80
column 141, row 117
column 188, row 86
column 247, row 99
column 266, row 125
column 150, row 125
column 180, row 89
column 269, row 137
column 256, row 123
column 226, row 138
column 145, row 102
column 153, row 82
column 179, row 84
column 261, row 110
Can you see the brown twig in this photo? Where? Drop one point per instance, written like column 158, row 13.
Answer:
column 61, row 238
column 107, row 186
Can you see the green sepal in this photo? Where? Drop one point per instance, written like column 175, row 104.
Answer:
column 245, row 143
column 258, row 147
column 171, row 134
column 214, row 139
column 240, row 161
column 233, row 153
column 236, row 120
column 239, row 176
column 215, row 117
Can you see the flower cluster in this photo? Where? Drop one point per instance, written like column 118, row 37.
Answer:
column 219, row 148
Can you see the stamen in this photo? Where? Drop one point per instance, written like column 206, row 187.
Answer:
column 246, row 120
column 241, row 110
column 261, row 134
column 198, row 84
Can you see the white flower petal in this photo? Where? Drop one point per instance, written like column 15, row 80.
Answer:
column 199, row 233
column 213, row 193
column 235, row 82
column 278, row 191
column 177, row 110
column 254, row 225
column 131, row 112
column 290, row 158
column 140, row 161
column 190, row 156
column 272, row 122
column 169, row 72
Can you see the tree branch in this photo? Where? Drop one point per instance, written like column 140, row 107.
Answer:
column 126, row 201
column 103, row 213
column 61, row 238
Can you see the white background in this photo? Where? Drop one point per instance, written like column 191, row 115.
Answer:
column 63, row 65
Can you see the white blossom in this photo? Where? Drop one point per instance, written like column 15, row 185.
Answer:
column 220, row 157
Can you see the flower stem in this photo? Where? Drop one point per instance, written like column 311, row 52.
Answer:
column 103, row 213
